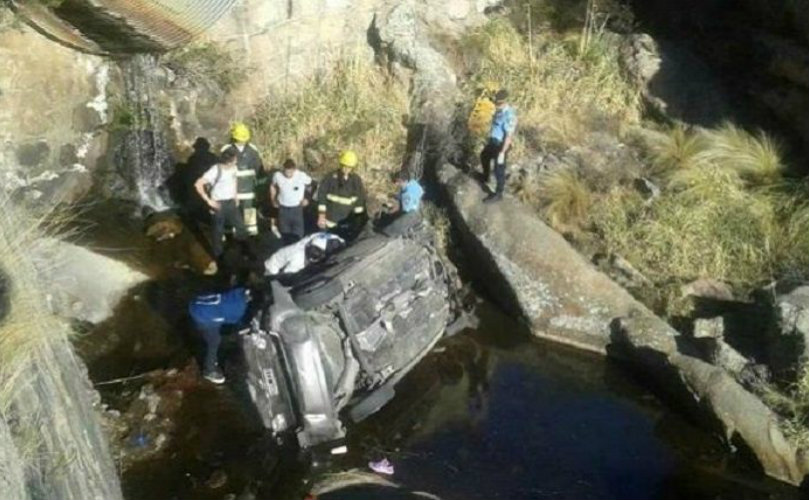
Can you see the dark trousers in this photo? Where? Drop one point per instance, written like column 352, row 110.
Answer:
column 290, row 223
column 212, row 335
column 488, row 157
column 230, row 215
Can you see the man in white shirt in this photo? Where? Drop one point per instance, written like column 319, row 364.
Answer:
column 289, row 193
column 218, row 188
column 295, row 257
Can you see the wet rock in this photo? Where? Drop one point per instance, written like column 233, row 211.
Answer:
column 653, row 345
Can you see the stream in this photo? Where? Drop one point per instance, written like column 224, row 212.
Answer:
column 491, row 413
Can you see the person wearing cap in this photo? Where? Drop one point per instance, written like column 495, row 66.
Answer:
column 250, row 172
column 288, row 193
column 501, row 134
column 294, row 258
column 341, row 198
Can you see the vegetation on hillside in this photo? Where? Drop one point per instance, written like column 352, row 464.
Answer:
column 561, row 88
column 353, row 105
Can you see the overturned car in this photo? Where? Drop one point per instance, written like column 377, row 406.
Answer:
column 334, row 345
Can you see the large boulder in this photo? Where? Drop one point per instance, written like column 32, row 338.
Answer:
column 83, row 284
column 533, row 271
column 788, row 339
column 540, row 277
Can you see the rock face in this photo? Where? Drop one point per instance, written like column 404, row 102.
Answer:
column 674, row 83
column 533, row 271
column 789, row 339
column 561, row 295
column 760, row 47
column 51, row 135
column 84, row 284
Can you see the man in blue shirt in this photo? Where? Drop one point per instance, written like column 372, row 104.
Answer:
column 504, row 125
column 408, row 210
column 410, row 193
column 210, row 313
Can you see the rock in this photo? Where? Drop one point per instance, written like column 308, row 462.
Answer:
column 707, row 289
column 532, row 269
column 789, row 337
column 647, row 188
column 33, row 154
column 711, row 389
column 713, row 328
column 217, row 479
column 79, row 277
column 542, row 279
column 673, row 82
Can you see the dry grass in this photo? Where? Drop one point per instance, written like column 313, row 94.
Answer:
column 354, row 105
column 725, row 212
column 565, row 199
column 793, row 404
column 560, row 88
column 27, row 322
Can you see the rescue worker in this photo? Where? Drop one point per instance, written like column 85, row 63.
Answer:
column 294, row 258
column 217, row 188
column 210, row 313
column 341, row 199
column 407, row 211
column 501, row 134
column 289, row 193
column 250, row 173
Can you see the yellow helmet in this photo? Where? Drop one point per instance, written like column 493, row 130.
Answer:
column 348, row 158
column 239, row 132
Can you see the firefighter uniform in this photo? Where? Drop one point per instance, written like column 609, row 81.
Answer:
column 341, row 196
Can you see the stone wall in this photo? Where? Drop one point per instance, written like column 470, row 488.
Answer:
column 54, row 103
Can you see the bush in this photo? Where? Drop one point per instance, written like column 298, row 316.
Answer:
column 353, row 105
column 565, row 199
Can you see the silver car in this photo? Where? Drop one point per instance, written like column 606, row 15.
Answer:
column 334, row 345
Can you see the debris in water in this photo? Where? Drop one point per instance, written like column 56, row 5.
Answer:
column 217, row 479
column 381, row 467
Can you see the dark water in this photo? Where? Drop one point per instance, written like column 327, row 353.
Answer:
column 490, row 414
column 499, row 416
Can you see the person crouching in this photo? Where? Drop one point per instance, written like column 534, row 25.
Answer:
column 296, row 257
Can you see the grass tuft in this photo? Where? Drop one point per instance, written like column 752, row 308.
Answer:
column 565, row 198
column 756, row 158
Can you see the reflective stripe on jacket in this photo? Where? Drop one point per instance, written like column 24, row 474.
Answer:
column 339, row 196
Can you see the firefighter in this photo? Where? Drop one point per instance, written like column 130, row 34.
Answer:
column 250, row 172
column 341, row 199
